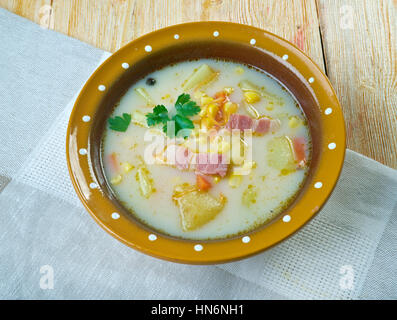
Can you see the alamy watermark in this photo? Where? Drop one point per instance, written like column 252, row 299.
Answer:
column 346, row 281
column 219, row 147
column 46, row 18
column 346, row 17
column 47, row 279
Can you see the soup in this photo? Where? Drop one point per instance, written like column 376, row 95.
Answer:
column 206, row 149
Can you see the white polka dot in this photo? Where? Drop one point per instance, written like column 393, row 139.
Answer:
column 93, row 185
column 216, row 33
column 252, row 41
column 125, row 65
column 311, row 80
column 115, row 215
column 287, row 218
column 148, row 48
column 83, row 151
column 176, row 36
column 318, row 185
column 332, row 146
column 246, row 239
column 328, row 111
column 198, row 247
column 152, row 237
column 101, row 87
column 285, row 57
column 86, row 118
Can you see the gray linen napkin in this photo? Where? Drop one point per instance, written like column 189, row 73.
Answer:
column 348, row 251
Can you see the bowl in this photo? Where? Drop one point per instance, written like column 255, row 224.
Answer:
column 231, row 41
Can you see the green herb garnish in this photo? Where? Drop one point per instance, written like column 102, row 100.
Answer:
column 184, row 107
column 159, row 115
column 120, row 123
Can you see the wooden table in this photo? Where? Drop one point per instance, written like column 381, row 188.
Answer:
column 354, row 41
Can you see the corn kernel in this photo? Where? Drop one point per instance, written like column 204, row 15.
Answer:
column 203, row 111
column 251, row 96
column 116, row 180
column 127, row 167
column 199, row 94
column 228, row 90
column 225, row 147
column 205, row 123
column 294, row 122
column 239, row 70
column 230, row 107
column 235, row 181
column 220, row 147
column 212, row 109
column 195, row 132
column 206, row 100
column 270, row 106
column 217, row 179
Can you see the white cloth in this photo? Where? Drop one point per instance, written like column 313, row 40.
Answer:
column 42, row 222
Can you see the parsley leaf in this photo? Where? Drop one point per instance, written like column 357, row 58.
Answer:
column 159, row 115
column 186, row 107
column 120, row 123
column 183, row 122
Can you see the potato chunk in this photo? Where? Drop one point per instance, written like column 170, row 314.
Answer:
column 279, row 154
column 196, row 207
column 145, row 182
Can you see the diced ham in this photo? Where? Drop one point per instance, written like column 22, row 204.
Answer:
column 211, row 163
column 176, row 155
column 239, row 121
column 299, row 144
column 183, row 158
column 260, row 126
column 180, row 156
column 202, row 163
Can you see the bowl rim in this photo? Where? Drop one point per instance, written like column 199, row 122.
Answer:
column 104, row 211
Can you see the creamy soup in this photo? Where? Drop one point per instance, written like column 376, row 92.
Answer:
column 206, row 149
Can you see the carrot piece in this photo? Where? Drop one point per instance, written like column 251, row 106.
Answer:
column 299, row 151
column 202, row 183
column 112, row 158
column 220, row 114
column 220, row 94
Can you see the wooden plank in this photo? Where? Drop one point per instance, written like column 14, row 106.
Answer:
column 111, row 24
column 38, row 11
column 360, row 48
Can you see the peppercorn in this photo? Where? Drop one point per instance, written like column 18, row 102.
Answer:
column 150, row 81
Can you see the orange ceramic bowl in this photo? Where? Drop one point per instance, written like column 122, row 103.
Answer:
column 230, row 41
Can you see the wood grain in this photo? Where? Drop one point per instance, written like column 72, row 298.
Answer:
column 361, row 56
column 361, row 62
column 31, row 9
column 111, row 24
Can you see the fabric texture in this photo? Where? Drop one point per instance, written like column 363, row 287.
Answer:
column 348, row 251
